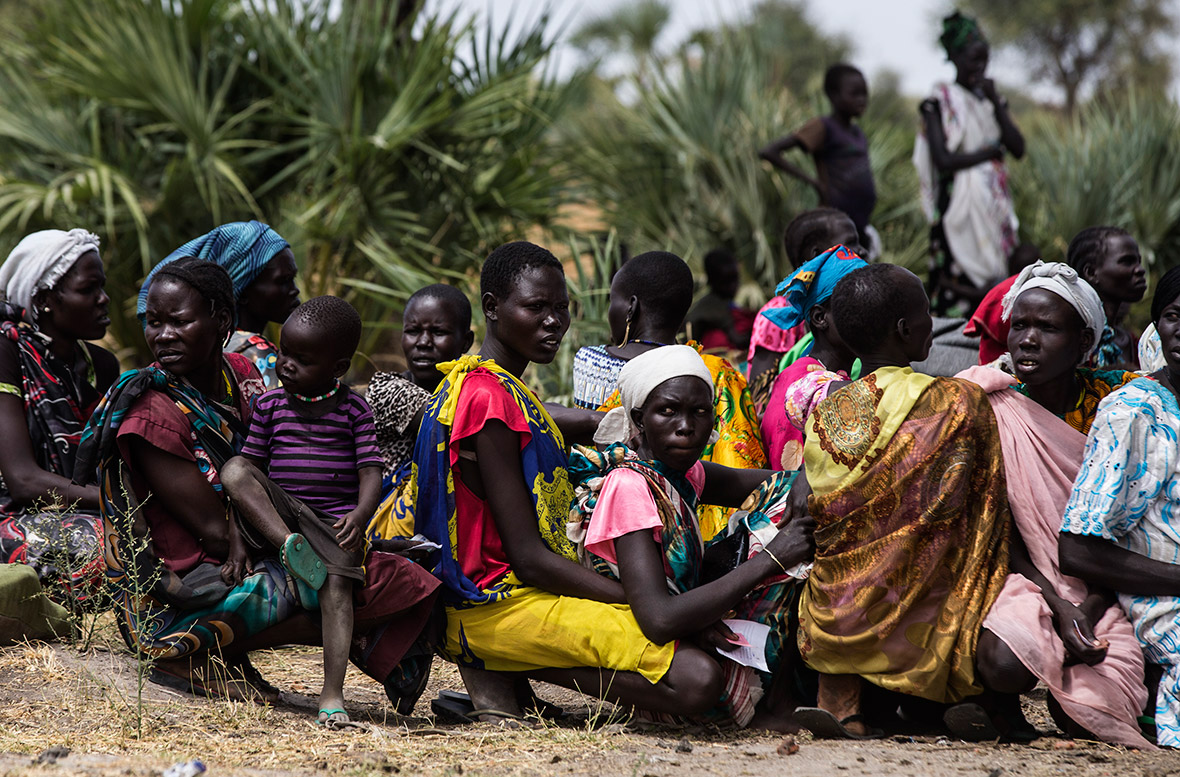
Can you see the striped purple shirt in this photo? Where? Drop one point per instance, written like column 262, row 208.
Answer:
column 315, row 459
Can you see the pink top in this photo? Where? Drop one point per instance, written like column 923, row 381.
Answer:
column 795, row 393
column 771, row 337
column 626, row 505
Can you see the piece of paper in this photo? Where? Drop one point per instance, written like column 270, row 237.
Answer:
column 754, row 652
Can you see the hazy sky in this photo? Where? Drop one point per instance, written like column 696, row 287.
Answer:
column 897, row 34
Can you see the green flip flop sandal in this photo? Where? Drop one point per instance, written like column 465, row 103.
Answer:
column 303, row 562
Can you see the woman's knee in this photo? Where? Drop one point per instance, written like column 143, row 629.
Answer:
column 696, row 680
column 999, row 668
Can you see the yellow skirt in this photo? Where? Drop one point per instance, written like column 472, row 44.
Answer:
column 535, row 629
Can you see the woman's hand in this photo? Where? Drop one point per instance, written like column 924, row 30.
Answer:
column 716, row 636
column 795, row 543
column 1077, row 632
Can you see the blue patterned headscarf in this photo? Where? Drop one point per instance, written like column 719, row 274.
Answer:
column 812, row 284
column 242, row 248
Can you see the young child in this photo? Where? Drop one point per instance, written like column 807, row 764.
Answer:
column 716, row 321
column 843, row 176
column 309, row 476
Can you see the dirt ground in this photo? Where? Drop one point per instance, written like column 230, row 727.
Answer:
column 87, row 701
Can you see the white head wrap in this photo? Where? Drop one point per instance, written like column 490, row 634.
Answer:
column 39, row 261
column 1062, row 280
column 639, row 377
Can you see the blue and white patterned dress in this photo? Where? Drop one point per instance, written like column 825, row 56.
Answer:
column 596, row 376
column 1128, row 492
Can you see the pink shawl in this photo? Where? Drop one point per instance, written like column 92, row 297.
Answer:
column 1042, row 455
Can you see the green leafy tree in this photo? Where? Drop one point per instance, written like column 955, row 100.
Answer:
column 1082, row 45
column 630, row 28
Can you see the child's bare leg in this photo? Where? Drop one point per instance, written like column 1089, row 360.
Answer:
column 336, row 616
column 241, row 481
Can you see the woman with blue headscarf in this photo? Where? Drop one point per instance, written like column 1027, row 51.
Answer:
column 802, row 384
column 262, row 267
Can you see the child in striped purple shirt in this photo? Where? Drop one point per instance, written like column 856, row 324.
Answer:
column 309, row 475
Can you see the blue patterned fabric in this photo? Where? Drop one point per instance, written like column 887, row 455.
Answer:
column 811, row 285
column 242, row 248
column 1128, row 492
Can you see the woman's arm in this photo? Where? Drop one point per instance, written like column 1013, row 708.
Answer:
column 664, row 617
column 1102, row 563
column 28, row 484
column 1010, row 134
column 183, row 492
column 1073, row 623
column 728, row 486
column 576, row 424
column 945, row 160
column 106, row 367
column 497, row 476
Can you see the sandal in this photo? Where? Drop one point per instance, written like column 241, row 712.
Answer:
column 824, row 725
column 971, row 723
column 451, row 701
column 301, row 561
column 336, row 720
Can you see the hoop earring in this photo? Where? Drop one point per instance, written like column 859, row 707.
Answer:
column 626, row 335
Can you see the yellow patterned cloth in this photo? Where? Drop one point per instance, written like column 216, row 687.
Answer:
column 739, row 441
column 912, row 526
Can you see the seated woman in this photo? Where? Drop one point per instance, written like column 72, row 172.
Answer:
column 185, row 589
column 1119, row 531
column 1052, row 313
column 911, row 515
column 638, row 502
column 50, row 381
column 807, row 236
column 262, row 268
column 506, row 563
column 436, row 328
column 645, row 315
column 1043, row 616
column 806, row 381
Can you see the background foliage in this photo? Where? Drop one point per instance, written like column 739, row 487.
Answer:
column 395, row 145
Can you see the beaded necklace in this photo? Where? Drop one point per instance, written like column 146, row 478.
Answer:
column 320, row 398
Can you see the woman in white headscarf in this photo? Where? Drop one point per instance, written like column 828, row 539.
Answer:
column 636, row 521
column 50, row 381
column 1056, row 320
column 1045, row 625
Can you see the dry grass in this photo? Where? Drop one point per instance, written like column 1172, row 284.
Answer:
column 56, row 695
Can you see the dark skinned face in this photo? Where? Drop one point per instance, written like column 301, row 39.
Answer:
column 78, row 305
column 307, row 362
column 1169, row 331
column 183, row 333
column 852, row 97
column 675, row 422
column 431, row 335
column 273, row 294
column 971, row 64
column 531, row 321
column 1047, row 339
column 1119, row 276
